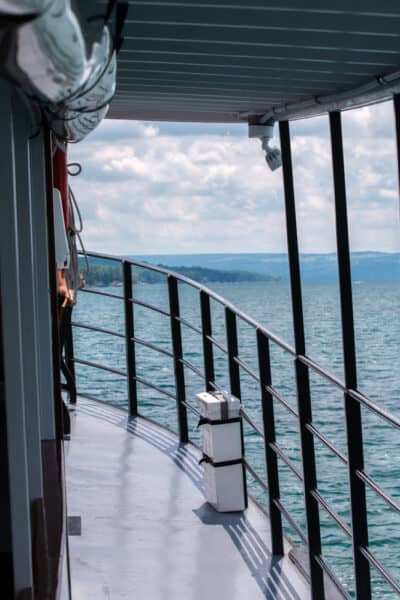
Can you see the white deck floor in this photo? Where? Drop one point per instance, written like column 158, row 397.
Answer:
column 147, row 533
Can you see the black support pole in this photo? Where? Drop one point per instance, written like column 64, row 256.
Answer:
column 352, row 408
column 271, row 459
column 176, row 335
column 302, row 373
column 206, row 327
column 396, row 105
column 130, row 344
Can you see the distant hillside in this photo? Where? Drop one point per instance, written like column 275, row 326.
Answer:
column 206, row 275
column 102, row 273
column 366, row 266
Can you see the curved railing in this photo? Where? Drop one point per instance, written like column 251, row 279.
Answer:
column 268, row 394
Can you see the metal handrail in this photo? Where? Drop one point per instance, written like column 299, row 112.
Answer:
column 273, row 451
column 98, row 293
column 210, row 293
column 98, row 329
column 303, row 358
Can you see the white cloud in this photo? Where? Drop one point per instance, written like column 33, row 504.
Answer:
column 153, row 188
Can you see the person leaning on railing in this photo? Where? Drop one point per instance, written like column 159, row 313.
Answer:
column 69, row 278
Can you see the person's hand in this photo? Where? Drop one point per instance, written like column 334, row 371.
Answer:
column 67, row 294
column 64, row 291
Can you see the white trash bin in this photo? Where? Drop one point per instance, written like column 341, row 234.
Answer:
column 224, row 474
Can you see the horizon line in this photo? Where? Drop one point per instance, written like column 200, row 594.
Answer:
column 163, row 253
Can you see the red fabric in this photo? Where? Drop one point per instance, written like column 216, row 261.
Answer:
column 60, row 176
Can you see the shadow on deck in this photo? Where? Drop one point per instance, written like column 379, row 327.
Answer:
column 147, row 532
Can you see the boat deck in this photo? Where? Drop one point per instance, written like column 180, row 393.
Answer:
column 146, row 530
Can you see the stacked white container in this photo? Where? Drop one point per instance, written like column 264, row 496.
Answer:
column 224, row 475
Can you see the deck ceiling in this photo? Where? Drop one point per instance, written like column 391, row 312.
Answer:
column 224, row 60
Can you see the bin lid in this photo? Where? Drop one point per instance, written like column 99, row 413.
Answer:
column 218, row 405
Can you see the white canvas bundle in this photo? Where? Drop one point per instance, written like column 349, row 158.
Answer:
column 224, row 482
column 53, row 66
column 214, row 405
column 24, row 7
column 222, row 442
column 224, row 487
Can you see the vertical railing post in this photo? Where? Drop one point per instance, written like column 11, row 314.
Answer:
column 302, row 373
column 206, row 327
column 271, row 460
column 232, row 343
column 359, row 519
column 234, row 373
column 129, row 340
column 176, row 336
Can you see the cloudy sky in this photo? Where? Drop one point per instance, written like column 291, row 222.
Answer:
column 153, row 188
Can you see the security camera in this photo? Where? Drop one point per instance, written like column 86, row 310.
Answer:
column 265, row 133
column 272, row 155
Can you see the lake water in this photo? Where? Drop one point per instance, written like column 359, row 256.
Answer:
column 377, row 323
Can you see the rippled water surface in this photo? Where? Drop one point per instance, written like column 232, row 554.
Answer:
column 377, row 323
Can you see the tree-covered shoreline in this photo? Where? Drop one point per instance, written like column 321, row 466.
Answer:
column 101, row 274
